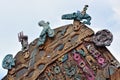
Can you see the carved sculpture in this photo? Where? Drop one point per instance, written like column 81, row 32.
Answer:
column 47, row 31
column 8, row 62
column 24, row 40
column 70, row 55
column 79, row 16
column 75, row 53
column 103, row 38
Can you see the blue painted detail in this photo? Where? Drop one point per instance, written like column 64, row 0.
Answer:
column 112, row 69
column 41, row 40
column 60, row 47
column 70, row 71
column 46, row 31
column 77, row 77
column 32, row 57
column 78, row 16
column 8, row 62
column 65, row 58
column 64, row 31
column 81, row 52
column 49, row 74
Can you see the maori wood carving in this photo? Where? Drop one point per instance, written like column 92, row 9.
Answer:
column 69, row 55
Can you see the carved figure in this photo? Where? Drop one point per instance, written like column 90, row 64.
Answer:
column 79, row 16
column 24, row 40
column 103, row 38
column 46, row 31
column 8, row 62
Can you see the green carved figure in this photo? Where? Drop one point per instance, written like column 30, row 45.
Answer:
column 79, row 16
column 46, row 31
column 8, row 62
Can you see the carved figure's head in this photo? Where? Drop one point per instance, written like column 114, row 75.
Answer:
column 43, row 23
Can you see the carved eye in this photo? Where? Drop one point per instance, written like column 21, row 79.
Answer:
column 57, row 69
column 41, row 66
column 21, row 72
column 59, row 47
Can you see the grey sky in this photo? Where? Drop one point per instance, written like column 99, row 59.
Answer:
column 24, row 15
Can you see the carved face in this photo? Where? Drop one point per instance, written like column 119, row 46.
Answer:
column 76, row 25
column 103, row 38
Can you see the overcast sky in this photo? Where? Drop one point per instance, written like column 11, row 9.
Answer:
column 24, row 15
